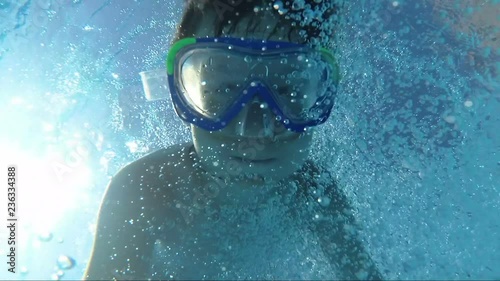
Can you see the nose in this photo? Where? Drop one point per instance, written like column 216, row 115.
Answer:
column 256, row 120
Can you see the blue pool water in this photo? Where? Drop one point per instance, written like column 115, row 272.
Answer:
column 414, row 138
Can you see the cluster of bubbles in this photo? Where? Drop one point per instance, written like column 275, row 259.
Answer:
column 413, row 119
column 62, row 263
column 318, row 14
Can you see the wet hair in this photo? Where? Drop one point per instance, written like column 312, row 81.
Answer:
column 305, row 21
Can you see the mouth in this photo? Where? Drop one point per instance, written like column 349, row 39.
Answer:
column 280, row 138
column 246, row 160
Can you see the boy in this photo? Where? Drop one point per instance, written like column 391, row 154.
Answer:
column 242, row 201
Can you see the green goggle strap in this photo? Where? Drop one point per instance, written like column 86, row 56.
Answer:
column 331, row 59
column 174, row 50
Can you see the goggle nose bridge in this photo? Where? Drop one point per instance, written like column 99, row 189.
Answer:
column 258, row 95
column 258, row 88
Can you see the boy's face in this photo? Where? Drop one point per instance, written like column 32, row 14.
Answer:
column 244, row 148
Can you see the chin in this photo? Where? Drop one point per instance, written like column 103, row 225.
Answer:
column 272, row 170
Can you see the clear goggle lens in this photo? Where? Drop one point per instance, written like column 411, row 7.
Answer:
column 213, row 80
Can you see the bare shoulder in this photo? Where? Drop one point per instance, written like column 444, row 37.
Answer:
column 155, row 164
column 134, row 205
column 161, row 186
column 151, row 175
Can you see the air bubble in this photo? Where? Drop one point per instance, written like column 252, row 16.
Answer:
column 298, row 5
column 45, row 236
column 65, row 262
column 324, row 201
column 23, row 270
column 449, row 119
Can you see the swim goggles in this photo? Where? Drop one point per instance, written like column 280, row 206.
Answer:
column 212, row 79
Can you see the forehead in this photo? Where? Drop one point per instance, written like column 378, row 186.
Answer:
column 264, row 25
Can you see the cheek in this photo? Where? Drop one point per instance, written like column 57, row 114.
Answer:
column 297, row 147
column 202, row 140
column 208, row 143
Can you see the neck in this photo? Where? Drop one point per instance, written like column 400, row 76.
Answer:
column 241, row 188
column 227, row 176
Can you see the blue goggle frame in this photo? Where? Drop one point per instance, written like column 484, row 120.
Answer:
column 190, row 115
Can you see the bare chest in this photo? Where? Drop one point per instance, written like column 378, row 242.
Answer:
column 262, row 242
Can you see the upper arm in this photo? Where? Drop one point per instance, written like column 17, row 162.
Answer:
column 123, row 242
column 341, row 243
column 337, row 231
